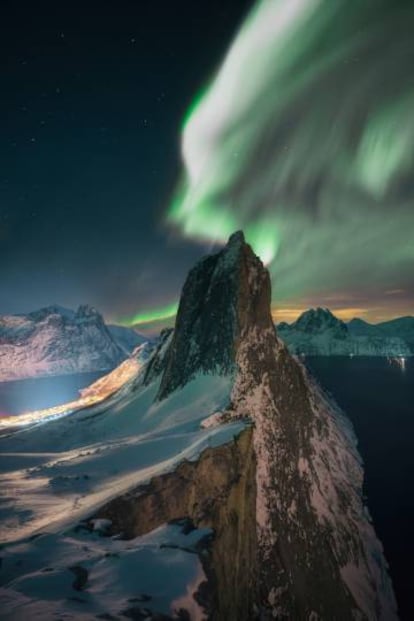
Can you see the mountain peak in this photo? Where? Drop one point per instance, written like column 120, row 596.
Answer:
column 46, row 311
column 85, row 310
column 224, row 295
column 304, row 454
column 316, row 320
column 236, row 238
column 55, row 340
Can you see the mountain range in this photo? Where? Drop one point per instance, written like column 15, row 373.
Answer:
column 56, row 340
column 317, row 332
column 218, row 483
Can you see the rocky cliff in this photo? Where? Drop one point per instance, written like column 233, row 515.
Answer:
column 292, row 535
column 218, row 492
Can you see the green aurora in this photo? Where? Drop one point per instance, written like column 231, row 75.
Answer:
column 304, row 139
column 157, row 315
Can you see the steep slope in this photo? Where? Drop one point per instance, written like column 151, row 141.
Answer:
column 316, row 555
column 317, row 332
column 288, row 535
column 54, row 341
column 222, row 293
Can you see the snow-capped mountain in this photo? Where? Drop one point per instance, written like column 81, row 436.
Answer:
column 402, row 328
column 226, row 484
column 127, row 338
column 317, row 332
column 55, row 340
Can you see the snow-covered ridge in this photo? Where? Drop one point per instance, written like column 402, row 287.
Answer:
column 318, row 554
column 313, row 550
column 317, row 332
column 55, row 476
column 312, row 526
column 55, row 340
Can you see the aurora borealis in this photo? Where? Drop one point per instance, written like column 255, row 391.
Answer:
column 136, row 142
column 305, row 140
column 153, row 316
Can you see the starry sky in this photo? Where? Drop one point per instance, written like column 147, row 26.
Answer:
column 91, row 107
column 138, row 137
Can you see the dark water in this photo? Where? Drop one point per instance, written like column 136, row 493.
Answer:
column 33, row 394
column 379, row 399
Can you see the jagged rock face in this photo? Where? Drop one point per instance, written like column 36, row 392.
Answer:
column 315, row 553
column 223, row 294
column 157, row 361
column 318, row 554
column 218, row 492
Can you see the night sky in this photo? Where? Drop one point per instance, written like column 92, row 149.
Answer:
column 294, row 123
column 92, row 99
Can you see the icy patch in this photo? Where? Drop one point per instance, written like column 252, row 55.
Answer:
column 81, row 575
column 101, row 525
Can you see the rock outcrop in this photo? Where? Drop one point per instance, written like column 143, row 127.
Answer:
column 218, row 492
column 293, row 539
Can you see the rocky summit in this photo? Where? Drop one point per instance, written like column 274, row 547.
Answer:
column 293, row 537
column 218, row 482
column 223, row 295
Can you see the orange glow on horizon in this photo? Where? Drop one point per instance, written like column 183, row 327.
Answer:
column 372, row 315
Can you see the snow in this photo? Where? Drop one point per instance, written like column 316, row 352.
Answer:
column 336, row 472
column 55, row 341
column 127, row 338
column 328, row 482
column 78, row 462
column 57, row 474
column 117, row 381
column 101, row 525
column 251, row 399
column 214, row 420
column 158, row 572
column 319, row 333
column 188, row 602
